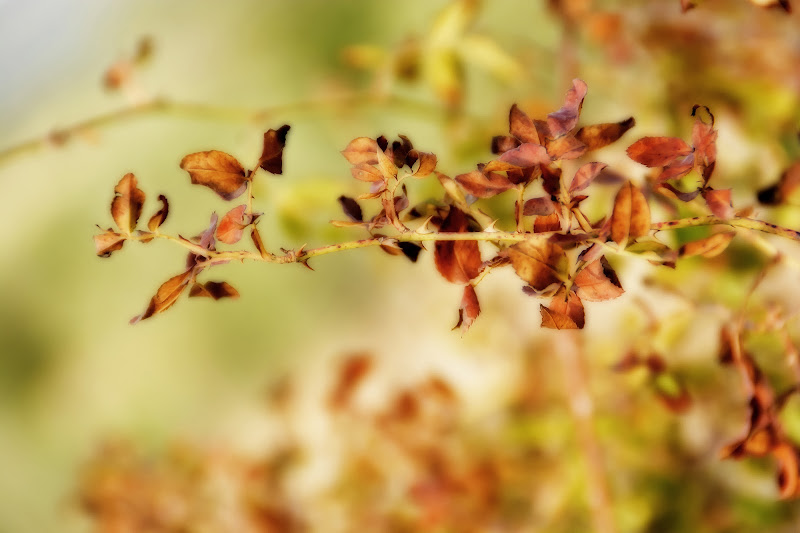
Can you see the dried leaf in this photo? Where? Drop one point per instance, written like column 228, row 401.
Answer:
column 469, row 310
column 271, row 158
column 351, row 208
column 361, row 150
column 522, row 127
column 631, row 215
column 600, row 135
column 385, row 164
column 719, row 202
column 213, row 289
column 457, row 261
column 259, row 244
column 566, row 118
column 565, row 147
column 555, row 320
column 161, row 215
column 126, row 207
column 167, row 294
column 108, row 242
column 570, row 305
column 483, row 184
column 538, row 262
column 503, row 143
column 230, row 227
column 365, row 172
column 524, row 156
column 658, row 151
column 427, row 164
column 585, row 175
column 218, row 171
column 708, row 247
column 704, row 138
column 597, row 281
column 410, row 250
column 544, row 224
column 540, row 206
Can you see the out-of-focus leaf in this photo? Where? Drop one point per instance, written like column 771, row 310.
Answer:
column 486, row 53
column 708, row 247
column 597, row 136
column 271, row 158
column 351, row 374
column 566, row 118
column 161, row 215
column 631, row 215
column 126, row 207
column 218, row 171
column 597, row 281
column 457, row 261
column 672, row 393
column 538, row 262
column 780, row 192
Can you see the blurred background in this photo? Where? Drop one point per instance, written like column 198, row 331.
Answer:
column 339, row 399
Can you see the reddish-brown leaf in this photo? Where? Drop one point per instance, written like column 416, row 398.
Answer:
column 524, row 155
column 351, row 374
column 599, row 135
column 568, row 304
column 543, row 224
column 503, row 143
column 719, row 202
column 538, row 262
column 540, row 206
column 521, row 126
column 597, row 281
column 566, row 118
column 259, row 244
column 230, row 227
column 362, row 150
column 469, row 309
column 126, row 207
column 704, row 138
column 631, row 215
column 484, row 185
column 585, row 175
column 218, row 171
column 108, row 242
column 457, row 261
column 708, row 247
column 427, row 164
column 565, row 147
column 213, row 289
column 678, row 168
column 271, row 158
column 167, row 294
column 161, row 215
column 556, row 320
column 658, row 151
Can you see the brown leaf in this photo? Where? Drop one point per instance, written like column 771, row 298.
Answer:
column 457, row 261
column 585, row 175
column 543, row 224
column 538, row 262
column 708, row 247
column 569, row 305
column 565, row 147
column 483, row 185
column 213, row 289
column 672, row 393
column 566, row 118
column 704, row 138
column 362, row 150
column 600, row 135
column 551, row 180
column 385, row 164
column 218, row 171
column 351, row 208
column 230, row 227
column 631, row 215
column 540, row 206
column 503, row 143
column 469, row 310
column 658, row 151
column 719, row 202
column 271, row 158
column 161, row 215
column 780, row 192
column 126, row 207
column 351, row 374
column 259, row 244
column 427, row 164
column 167, row 294
column 597, row 281
column 522, row 127
column 108, row 242
column 365, row 172
column 556, row 320
column 524, row 155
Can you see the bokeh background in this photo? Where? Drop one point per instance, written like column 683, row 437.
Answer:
column 75, row 376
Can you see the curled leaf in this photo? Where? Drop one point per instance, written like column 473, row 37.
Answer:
column 600, row 135
column 218, row 171
column 108, row 242
column 427, row 164
column 126, row 207
column 271, row 158
column 166, row 296
column 161, row 215
column 566, row 118
column 708, row 247
column 232, row 224
column 469, row 309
